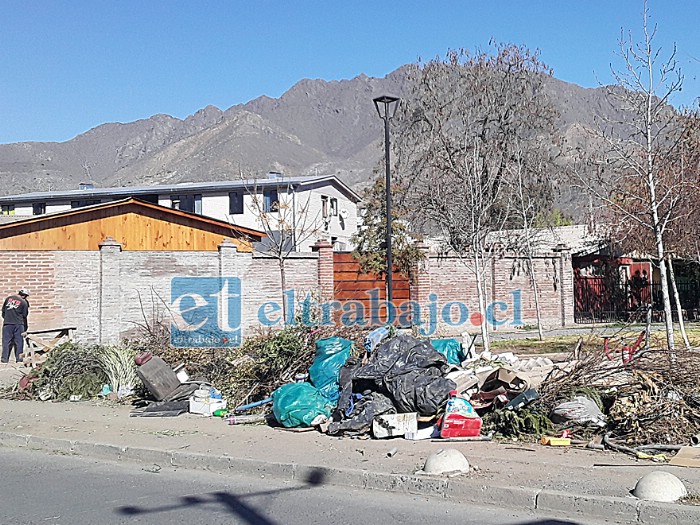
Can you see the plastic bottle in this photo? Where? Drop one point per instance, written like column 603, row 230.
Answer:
column 221, row 412
column 460, row 419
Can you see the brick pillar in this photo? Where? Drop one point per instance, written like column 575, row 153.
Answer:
column 234, row 263
column 420, row 276
column 110, row 307
column 326, row 280
column 227, row 258
column 566, row 286
column 420, row 288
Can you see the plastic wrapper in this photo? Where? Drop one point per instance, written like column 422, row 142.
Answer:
column 580, row 410
column 363, row 413
column 411, row 372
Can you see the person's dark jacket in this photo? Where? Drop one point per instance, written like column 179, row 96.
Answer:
column 15, row 310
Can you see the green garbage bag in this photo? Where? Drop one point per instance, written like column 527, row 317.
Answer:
column 331, row 354
column 450, row 348
column 298, row 404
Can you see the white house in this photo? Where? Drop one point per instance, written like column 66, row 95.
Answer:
column 310, row 207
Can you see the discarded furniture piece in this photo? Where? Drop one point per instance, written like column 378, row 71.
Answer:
column 38, row 343
column 157, row 376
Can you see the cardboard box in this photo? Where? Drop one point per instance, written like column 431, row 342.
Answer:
column 206, row 408
column 392, row 425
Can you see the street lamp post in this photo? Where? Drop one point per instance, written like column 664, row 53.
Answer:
column 386, row 108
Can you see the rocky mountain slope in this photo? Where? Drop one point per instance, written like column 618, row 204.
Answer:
column 317, row 127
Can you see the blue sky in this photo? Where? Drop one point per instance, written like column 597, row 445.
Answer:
column 68, row 66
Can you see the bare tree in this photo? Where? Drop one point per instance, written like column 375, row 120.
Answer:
column 462, row 121
column 681, row 235
column 532, row 181
column 287, row 219
column 643, row 186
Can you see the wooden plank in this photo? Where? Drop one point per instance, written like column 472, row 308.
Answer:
column 347, row 286
column 50, row 330
column 360, row 286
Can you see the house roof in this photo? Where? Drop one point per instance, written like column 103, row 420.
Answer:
column 578, row 239
column 6, row 229
column 174, row 189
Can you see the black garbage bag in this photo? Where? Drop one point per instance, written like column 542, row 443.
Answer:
column 422, row 391
column 400, row 355
column 410, row 372
column 347, row 373
column 359, row 421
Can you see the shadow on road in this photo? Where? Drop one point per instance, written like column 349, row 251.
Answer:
column 233, row 503
column 547, row 522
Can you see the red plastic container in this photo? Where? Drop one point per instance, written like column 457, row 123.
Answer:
column 459, row 420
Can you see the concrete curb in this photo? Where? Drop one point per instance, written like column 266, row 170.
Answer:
column 626, row 510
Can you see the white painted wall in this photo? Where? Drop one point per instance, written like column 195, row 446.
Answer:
column 308, row 204
column 57, row 206
column 22, row 209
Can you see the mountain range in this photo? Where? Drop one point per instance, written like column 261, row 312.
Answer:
column 316, row 127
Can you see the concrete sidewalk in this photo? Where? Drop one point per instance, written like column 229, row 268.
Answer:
column 574, row 482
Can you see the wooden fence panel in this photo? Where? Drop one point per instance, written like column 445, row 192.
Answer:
column 353, row 285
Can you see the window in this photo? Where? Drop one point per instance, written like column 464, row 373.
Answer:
column 270, row 201
column 334, row 207
column 235, row 203
column 189, row 203
column 38, row 208
column 324, row 206
column 8, row 209
column 83, row 203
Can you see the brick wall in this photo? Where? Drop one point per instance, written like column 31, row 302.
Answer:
column 508, row 288
column 108, row 294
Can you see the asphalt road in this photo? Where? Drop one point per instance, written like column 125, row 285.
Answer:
column 37, row 488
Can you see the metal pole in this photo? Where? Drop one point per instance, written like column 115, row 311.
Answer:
column 389, row 255
column 387, row 101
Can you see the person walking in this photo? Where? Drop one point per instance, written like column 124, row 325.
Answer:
column 15, row 310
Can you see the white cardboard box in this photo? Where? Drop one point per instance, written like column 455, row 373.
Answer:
column 391, row 425
column 206, row 408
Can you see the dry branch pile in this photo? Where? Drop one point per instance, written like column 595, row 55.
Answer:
column 653, row 399
column 262, row 363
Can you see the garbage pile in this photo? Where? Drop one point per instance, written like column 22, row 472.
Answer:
column 402, row 387
column 644, row 402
